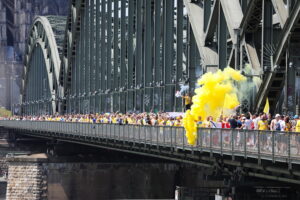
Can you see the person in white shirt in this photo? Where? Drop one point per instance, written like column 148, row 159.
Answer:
column 219, row 123
column 247, row 123
column 282, row 123
column 276, row 124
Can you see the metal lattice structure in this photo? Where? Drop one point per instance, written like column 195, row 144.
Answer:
column 127, row 55
column 133, row 55
column 42, row 66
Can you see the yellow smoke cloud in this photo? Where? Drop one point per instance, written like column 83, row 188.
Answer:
column 217, row 93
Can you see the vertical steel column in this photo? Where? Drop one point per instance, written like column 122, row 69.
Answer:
column 29, row 96
column 72, row 92
column 78, row 73
column 158, row 97
column 222, row 39
column 244, row 4
column 191, row 58
column 207, row 13
column 38, row 75
column 168, row 55
column 38, row 80
column 290, row 82
column 108, row 57
column 267, row 34
column 42, row 85
column 148, row 69
column 41, row 81
column 29, row 85
column 103, row 56
column 116, row 105
column 138, row 57
column 33, row 86
column 82, row 60
column 98, row 52
column 122, row 58
column 35, row 82
column 92, row 56
column 130, row 57
column 87, row 56
column 179, row 52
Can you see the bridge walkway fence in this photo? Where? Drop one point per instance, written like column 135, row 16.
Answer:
column 262, row 145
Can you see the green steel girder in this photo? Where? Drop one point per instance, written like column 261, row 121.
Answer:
column 42, row 66
column 123, row 55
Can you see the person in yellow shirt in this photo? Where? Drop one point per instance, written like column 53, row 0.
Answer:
column 207, row 123
column 288, row 124
column 297, row 124
column 199, row 122
column 169, row 122
column 130, row 120
column 114, row 120
column 297, row 129
column 177, row 122
column 263, row 124
column 187, row 101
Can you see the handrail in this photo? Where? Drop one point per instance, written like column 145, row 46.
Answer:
column 275, row 146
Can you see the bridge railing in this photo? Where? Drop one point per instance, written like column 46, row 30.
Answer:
column 269, row 145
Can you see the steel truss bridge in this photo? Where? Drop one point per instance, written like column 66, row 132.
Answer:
column 262, row 154
column 132, row 55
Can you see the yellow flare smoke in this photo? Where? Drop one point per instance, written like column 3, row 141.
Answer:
column 217, row 93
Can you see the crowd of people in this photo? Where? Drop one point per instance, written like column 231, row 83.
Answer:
column 152, row 119
column 248, row 121
column 243, row 121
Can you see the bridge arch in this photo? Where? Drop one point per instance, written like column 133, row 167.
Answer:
column 40, row 87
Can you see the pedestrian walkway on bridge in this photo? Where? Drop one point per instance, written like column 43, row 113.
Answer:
column 244, row 148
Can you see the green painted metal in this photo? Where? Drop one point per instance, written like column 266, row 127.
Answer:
column 123, row 65
column 109, row 56
column 133, row 55
column 130, row 57
column 222, row 39
column 179, row 53
column 42, row 66
column 116, row 96
column 138, row 62
column 98, row 61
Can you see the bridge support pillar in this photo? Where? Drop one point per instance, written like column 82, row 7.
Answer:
column 27, row 177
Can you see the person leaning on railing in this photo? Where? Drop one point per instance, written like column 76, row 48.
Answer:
column 280, row 123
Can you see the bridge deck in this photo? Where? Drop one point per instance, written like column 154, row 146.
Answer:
column 260, row 145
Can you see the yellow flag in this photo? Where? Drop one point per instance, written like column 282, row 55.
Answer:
column 267, row 107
